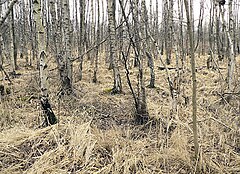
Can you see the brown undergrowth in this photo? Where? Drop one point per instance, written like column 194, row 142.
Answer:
column 96, row 132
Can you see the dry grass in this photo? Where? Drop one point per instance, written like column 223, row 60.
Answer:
column 96, row 132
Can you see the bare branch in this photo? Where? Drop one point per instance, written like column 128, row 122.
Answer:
column 5, row 15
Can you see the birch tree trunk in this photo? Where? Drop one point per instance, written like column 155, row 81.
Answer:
column 81, row 33
column 145, row 24
column 14, row 44
column 1, row 54
column 117, row 84
column 200, row 28
column 231, row 59
column 52, row 9
column 22, row 32
column 46, row 22
column 218, row 44
column 210, row 34
column 168, row 20
column 8, row 11
column 97, row 23
column 49, row 116
column 64, row 60
column 165, row 23
column 194, row 81
column 142, row 114
column 32, row 35
column 1, row 43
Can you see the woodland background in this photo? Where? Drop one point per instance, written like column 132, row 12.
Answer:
column 122, row 86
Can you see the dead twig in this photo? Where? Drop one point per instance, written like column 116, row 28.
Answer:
column 6, row 74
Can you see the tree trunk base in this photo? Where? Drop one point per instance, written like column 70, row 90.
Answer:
column 49, row 116
column 115, row 91
column 141, row 117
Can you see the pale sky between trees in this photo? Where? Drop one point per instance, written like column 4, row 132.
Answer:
column 196, row 6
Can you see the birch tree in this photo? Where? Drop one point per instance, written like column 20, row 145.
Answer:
column 24, row 35
column 8, row 11
column 3, row 17
column 180, row 36
column 33, row 34
column 141, row 110
column 145, row 25
column 49, row 116
column 230, row 35
column 52, row 9
column 194, row 81
column 81, row 35
column 64, row 59
column 142, row 114
column 97, row 23
column 168, row 22
column 1, row 42
column 117, row 84
column 14, row 44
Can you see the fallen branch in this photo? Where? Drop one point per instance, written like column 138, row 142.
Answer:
column 173, row 68
column 231, row 93
column 169, row 68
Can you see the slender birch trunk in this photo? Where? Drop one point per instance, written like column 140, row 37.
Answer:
column 49, row 116
column 230, row 36
column 145, row 24
column 14, row 44
column 117, row 84
column 81, row 33
column 64, row 59
column 8, row 11
column 142, row 114
column 194, row 81
column 97, row 23
column 1, row 43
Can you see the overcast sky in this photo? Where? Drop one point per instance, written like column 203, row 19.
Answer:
column 196, row 6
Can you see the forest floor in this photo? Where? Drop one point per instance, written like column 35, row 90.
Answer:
column 96, row 132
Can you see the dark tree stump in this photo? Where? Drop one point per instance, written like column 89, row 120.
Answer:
column 49, row 116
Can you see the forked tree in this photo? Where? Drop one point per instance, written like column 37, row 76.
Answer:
column 142, row 115
column 139, row 96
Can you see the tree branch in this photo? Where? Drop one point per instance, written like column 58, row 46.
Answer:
column 5, row 15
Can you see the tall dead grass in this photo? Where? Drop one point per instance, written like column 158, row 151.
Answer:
column 97, row 134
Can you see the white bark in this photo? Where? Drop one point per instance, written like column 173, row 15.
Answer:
column 230, row 35
column 49, row 117
column 117, row 87
column 7, row 12
column 231, row 65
